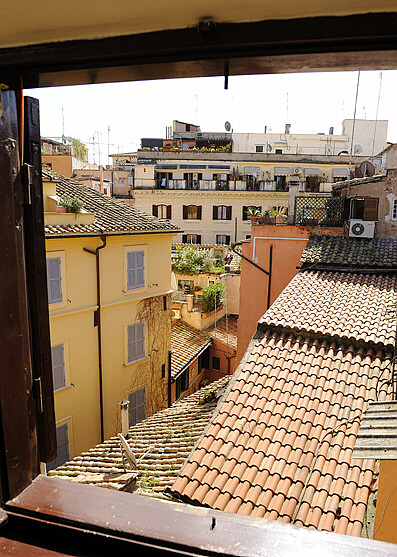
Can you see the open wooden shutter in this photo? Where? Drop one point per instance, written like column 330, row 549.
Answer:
column 184, row 212
column 227, row 240
column 371, row 208
column 169, row 211
column 198, row 238
column 184, row 238
column 199, row 212
column 155, row 210
column 245, row 212
column 215, row 212
column 229, row 213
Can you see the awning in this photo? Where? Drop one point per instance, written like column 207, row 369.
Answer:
column 251, row 170
column 312, row 172
column 282, row 171
column 336, row 172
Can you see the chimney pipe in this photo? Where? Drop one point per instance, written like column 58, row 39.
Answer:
column 124, row 405
column 287, row 129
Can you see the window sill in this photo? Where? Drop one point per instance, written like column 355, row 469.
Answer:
column 65, row 388
column 136, row 361
column 159, row 527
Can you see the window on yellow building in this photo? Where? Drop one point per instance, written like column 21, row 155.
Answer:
column 135, row 342
column 135, row 269
column 63, row 447
column 136, row 409
column 54, row 280
column 58, row 366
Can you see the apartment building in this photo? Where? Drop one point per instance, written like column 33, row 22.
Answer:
column 208, row 194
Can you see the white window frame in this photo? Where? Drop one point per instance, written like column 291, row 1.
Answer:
column 143, row 287
column 219, row 236
column 64, row 298
column 222, row 212
column 162, row 211
column 394, row 209
column 141, row 356
column 192, row 212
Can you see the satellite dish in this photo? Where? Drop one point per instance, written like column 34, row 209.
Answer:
column 367, row 169
column 358, row 149
column 228, row 126
column 126, row 449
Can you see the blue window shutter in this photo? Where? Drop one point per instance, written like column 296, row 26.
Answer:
column 140, row 340
column 63, row 447
column 58, row 366
column 54, row 280
column 135, row 269
column 136, row 342
column 136, row 409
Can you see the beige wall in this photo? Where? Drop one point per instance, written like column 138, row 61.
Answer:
column 207, row 227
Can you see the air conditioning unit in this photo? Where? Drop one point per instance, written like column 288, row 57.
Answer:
column 361, row 228
column 176, row 314
column 297, row 171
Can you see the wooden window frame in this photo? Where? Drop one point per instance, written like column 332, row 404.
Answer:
column 346, row 42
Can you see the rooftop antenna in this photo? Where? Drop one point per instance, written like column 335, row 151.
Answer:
column 287, row 107
column 377, row 110
column 228, row 126
column 108, row 143
column 354, row 125
column 63, row 126
column 196, row 112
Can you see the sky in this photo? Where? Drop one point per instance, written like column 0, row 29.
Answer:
column 311, row 103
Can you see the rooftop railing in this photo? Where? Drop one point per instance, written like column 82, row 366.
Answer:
column 318, row 210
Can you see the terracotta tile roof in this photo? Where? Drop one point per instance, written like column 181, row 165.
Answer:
column 225, row 330
column 186, row 344
column 279, row 445
column 112, row 216
column 171, row 434
column 349, row 307
column 350, row 252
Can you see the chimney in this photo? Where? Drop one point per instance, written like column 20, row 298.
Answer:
column 287, row 129
column 331, row 130
column 124, row 405
column 189, row 300
column 265, row 129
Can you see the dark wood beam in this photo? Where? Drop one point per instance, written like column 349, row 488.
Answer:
column 366, row 41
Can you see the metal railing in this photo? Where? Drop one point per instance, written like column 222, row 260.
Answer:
column 318, row 210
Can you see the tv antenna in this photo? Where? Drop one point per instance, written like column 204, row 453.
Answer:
column 228, row 126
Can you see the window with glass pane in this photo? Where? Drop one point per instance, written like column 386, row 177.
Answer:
column 58, row 366
column 162, row 211
column 192, row 212
column 135, row 269
column 136, row 342
column 54, row 280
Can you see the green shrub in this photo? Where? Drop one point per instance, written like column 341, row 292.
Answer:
column 212, row 296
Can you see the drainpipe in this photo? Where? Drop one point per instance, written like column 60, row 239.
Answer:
column 169, row 377
column 269, row 282
column 98, row 323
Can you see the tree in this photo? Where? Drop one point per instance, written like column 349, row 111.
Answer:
column 212, row 297
column 190, row 260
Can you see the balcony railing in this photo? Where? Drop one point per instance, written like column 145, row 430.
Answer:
column 318, row 210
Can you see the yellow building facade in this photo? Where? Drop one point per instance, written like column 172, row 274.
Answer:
column 110, row 313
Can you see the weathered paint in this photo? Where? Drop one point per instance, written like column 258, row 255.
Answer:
column 386, row 505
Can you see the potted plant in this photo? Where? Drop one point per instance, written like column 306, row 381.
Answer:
column 253, row 214
column 71, row 204
column 267, row 217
